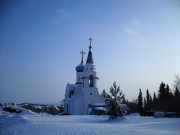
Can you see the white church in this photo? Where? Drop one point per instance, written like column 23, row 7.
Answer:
column 84, row 93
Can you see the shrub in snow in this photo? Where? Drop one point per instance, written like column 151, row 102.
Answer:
column 12, row 109
column 99, row 111
column 50, row 109
column 27, row 112
column 14, row 104
column 170, row 114
column 158, row 115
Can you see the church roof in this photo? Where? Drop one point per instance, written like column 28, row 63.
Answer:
column 90, row 58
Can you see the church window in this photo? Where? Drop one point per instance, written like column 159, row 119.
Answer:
column 71, row 93
column 90, row 105
column 91, row 68
column 90, row 93
column 91, row 78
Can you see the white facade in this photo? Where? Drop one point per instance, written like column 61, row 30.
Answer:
column 84, row 92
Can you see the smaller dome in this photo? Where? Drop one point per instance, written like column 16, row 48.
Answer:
column 80, row 67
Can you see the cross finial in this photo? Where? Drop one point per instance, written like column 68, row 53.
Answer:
column 82, row 53
column 90, row 39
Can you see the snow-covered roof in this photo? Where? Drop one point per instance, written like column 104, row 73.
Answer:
column 99, row 104
column 100, row 108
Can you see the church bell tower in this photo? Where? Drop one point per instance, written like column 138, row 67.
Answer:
column 89, row 80
column 90, row 75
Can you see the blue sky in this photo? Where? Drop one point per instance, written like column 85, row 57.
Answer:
column 135, row 43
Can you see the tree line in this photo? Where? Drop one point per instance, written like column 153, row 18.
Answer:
column 166, row 99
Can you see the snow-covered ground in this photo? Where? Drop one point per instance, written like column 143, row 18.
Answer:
column 29, row 123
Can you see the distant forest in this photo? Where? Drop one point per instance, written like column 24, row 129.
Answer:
column 166, row 100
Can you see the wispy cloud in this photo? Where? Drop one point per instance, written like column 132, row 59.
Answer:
column 63, row 13
column 131, row 33
column 136, row 22
column 131, row 28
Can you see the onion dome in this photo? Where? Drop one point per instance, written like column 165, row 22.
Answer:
column 80, row 67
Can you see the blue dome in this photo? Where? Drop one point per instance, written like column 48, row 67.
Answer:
column 80, row 67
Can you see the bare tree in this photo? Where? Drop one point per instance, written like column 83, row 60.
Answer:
column 177, row 82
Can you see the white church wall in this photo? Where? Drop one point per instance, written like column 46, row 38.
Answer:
column 79, row 76
column 70, row 107
column 78, row 105
column 90, row 97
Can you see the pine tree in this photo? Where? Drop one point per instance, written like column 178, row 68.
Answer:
column 114, row 108
column 176, row 100
column 124, row 101
column 105, row 94
column 150, row 102
column 176, row 92
column 165, row 99
column 167, row 91
column 145, row 103
column 147, row 100
column 168, row 99
column 154, row 100
column 140, row 102
column 162, row 92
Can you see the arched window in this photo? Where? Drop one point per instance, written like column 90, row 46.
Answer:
column 71, row 93
column 91, row 79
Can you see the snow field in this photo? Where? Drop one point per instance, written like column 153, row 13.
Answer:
column 25, row 124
